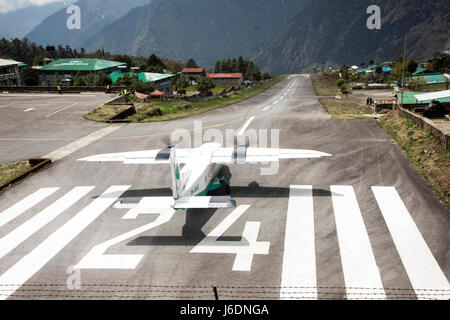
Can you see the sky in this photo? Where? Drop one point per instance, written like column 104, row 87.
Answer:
column 11, row 5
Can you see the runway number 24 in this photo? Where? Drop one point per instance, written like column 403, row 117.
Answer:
column 244, row 249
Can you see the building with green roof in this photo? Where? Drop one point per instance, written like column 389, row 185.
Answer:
column 164, row 81
column 72, row 68
column 409, row 98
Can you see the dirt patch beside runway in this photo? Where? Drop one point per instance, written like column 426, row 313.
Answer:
column 10, row 170
column 345, row 108
column 324, row 86
column 429, row 157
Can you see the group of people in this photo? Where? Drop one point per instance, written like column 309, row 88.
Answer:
column 126, row 92
column 370, row 101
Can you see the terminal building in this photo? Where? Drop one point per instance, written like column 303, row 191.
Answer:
column 9, row 73
column 68, row 70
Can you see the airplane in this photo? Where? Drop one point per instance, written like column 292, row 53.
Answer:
column 200, row 174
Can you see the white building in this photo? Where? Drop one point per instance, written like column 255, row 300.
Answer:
column 9, row 73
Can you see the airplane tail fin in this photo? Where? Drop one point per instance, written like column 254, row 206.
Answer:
column 177, row 178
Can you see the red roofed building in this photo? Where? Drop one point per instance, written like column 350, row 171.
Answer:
column 226, row 78
column 194, row 72
column 156, row 95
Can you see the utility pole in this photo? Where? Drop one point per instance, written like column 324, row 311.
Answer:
column 403, row 72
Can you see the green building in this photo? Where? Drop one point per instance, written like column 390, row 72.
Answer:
column 67, row 70
column 163, row 81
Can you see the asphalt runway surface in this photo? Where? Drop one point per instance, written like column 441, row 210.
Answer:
column 362, row 224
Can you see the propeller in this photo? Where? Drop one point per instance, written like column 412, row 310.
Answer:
column 167, row 141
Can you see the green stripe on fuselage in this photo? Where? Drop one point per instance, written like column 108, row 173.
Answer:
column 213, row 185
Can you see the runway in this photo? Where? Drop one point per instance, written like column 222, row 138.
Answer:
column 362, row 224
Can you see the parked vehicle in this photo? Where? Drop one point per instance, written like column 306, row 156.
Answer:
column 437, row 109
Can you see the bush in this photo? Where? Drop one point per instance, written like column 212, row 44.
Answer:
column 80, row 82
column 340, row 82
column 184, row 106
column 345, row 89
column 153, row 112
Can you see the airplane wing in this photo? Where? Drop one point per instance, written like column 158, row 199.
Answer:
column 240, row 154
column 253, row 155
column 141, row 157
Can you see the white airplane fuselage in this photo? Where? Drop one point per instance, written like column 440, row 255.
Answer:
column 199, row 174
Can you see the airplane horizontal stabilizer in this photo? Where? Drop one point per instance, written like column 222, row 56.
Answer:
column 204, row 203
column 153, row 203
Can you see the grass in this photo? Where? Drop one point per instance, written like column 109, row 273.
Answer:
column 105, row 112
column 346, row 108
column 324, row 86
column 177, row 109
column 11, row 170
column 430, row 158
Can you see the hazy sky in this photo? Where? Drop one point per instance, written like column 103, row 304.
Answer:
column 11, row 5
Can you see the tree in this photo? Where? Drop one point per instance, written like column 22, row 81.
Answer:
column 142, row 87
column 439, row 63
column 154, row 64
column 191, row 64
column 412, row 66
column 80, row 82
column 30, row 77
column 181, row 84
column 205, row 85
column 103, row 80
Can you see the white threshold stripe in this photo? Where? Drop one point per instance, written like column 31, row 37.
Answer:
column 422, row 268
column 24, row 231
column 82, row 142
column 25, row 268
column 244, row 128
column 299, row 257
column 361, row 275
column 25, row 204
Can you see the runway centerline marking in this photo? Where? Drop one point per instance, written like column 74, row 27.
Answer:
column 6, row 105
column 299, row 257
column 25, row 204
column 24, row 231
column 62, row 109
column 25, row 268
column 244, row 128
column 82, row 142
column 420, row 265
column 358, row 261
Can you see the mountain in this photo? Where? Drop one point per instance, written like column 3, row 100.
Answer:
column 335, row 32
column 16, row 24
column 95, row 15
column 207, row 30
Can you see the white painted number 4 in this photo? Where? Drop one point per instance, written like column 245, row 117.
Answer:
column 244, row 249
